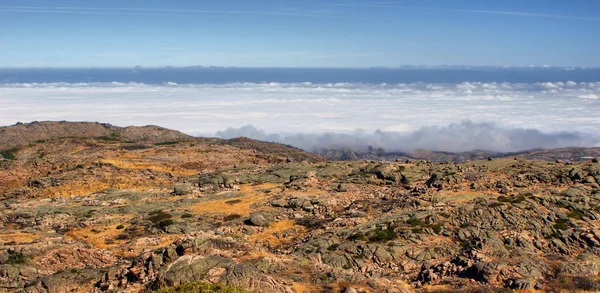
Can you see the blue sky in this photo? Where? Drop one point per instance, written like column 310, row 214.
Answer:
column 303, row 33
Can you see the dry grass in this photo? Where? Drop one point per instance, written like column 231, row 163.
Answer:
column 18, row 237
column 242, row 205
column 268, row 235
column 149, row 165
column 88, row 185
column 97, row 239
column 101, row 233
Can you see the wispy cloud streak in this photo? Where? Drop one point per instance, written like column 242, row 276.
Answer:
column 156, row 12
column 497, row 12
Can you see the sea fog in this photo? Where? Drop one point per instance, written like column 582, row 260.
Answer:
column 441, row 109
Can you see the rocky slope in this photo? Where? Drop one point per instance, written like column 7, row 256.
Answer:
column 118, row 215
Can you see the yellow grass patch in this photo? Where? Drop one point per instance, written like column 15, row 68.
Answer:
column 102, row 233
column 19, row 237
column 268, row 235
column 238, row 205
column 152, row 165
column 85, row 186
column 97, row 237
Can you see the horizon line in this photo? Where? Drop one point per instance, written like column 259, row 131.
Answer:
column 406, row 66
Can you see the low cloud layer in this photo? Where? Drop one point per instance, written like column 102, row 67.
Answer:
column 457, row 137
column 392, row 116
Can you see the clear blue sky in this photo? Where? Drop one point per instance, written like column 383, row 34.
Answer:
column 302, row 33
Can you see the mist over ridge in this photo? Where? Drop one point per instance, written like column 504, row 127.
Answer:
column 455, row 137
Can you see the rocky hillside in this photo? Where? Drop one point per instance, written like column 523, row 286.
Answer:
column 28, row 133
column 113, row 215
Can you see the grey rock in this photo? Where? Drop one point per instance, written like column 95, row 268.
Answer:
column 259, row 219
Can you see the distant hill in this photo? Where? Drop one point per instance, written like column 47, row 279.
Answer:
column 28, row 133
column 23, row 134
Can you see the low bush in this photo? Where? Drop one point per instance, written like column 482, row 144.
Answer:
column 9, row 154
column 16, row 258
column 382, row 235
column 166, row 143
column 202, row 287
column 575, row 215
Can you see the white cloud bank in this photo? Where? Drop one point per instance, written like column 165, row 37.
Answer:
column 456, row 137
column 506, row 116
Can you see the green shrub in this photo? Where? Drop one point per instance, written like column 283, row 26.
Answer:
column 333, row 247
column 165, row 223
column 382, row 235
column 202, row 287
column 418, row 230
column 438, row 228
column 106, row 138
column 17, row 258
column 561, row 224
column 414, row 222
column 357, row 236
column 166, row 143
column 575, row 215
column 10, row 153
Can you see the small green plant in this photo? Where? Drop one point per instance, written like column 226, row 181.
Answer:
column 201, row 287
column 10, row 154
column 166, row 143
column 417, row 230
column 575, row 215
column 107, row 138
column 358, row 236
column 333, row 247
column 561, row 224
column 165, row 223
column 414, row 222
column 17, row 258
column 382, row 235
